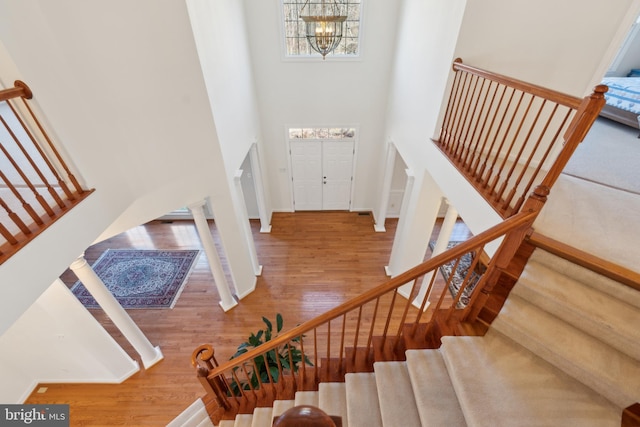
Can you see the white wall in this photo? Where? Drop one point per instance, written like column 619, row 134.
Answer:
column 58, row 340
column 560, row 45
column 426, row 43
column 120, row 84
column 557, row 45
column 322, row 93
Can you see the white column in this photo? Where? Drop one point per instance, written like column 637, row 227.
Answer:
column 444, row 236
column 265, row 223
column 381, row 215
column 396, row 248
column 227, row 302
column 150, row 355
column 246, row 225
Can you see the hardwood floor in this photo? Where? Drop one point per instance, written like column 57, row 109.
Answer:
column 312, row 261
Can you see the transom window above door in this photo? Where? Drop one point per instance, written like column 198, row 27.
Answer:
column 322, row 133
column 295, row 41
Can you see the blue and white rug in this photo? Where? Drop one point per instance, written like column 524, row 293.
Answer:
column 141, row 278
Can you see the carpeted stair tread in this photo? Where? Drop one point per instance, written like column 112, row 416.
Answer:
column 363, row 406
column 435, row 397
column 194, row 416
column 500, row 383
column 596, row 313
column 609, row 372
column 262, row 417
column 307, row 398
column 397, row 404
column 586, row 276
column 332, row 399
column 280, row 406
column 243, row 420
column 205, row 423
column 227, row 423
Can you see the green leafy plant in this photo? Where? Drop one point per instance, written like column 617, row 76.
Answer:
column 289, row 355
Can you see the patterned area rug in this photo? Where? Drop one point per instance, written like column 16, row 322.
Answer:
column 459, row 275
column 141, row 278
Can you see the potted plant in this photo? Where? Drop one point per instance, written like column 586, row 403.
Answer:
column 288, row 354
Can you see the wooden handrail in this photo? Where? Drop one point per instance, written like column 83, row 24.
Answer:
column 606, row 268
column 543, row 92
column 516, row 222
column 20, row 90
column 33, row 187
column 508, row 137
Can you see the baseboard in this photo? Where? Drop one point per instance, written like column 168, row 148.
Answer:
column 135, row 369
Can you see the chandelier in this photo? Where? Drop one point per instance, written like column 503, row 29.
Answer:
column 323, row 21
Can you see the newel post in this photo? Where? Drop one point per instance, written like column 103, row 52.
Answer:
column 204, row 360
column 578, row 129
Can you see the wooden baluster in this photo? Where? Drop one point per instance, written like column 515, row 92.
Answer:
column 506, row 251
column 62, row 163
column 342, row 336
column 464, row 284
column 468, row 119
column 534, row 151
column 473, row 140
column 328, row 356
column 580, row 125
column 293, row 367
column 552, row 144
column 389, row 314
column 26, row 206
column 303, row 371
column 23, row 175
column 482, row 154
column 240, row 387
column 523, row 145
column 45, row 158
column 315, row 355
column 256, row 372
column 479, row 146
column 408, row 304
column 373, row 324
column 500, row 152
column 447, row 285
column 446, row 122
column 459, row 126
column 487, row 159
column 357, row 334
column 246, row 374
column 456, row 108
column 425, row 301
column 3, row 230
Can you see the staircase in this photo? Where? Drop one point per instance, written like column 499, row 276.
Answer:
column 564, row 351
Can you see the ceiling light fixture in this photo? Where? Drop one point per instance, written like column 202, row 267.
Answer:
column 323, row 21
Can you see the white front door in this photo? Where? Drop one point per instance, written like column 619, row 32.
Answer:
column 321, row 172
column 337, row 167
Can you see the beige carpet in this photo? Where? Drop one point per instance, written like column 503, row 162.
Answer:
column 594, row 218
column 609, row 155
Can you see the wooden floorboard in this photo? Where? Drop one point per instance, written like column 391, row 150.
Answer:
column 312, row 261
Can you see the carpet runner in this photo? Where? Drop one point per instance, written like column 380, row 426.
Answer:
column 141, row 278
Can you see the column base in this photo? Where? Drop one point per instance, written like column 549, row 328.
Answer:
column 265, row 229
column 417, row 304
column 259, row 272
column 405, row 291
column 158, row 357
column 379, row 228
column 227, row 307
column 387, row 271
